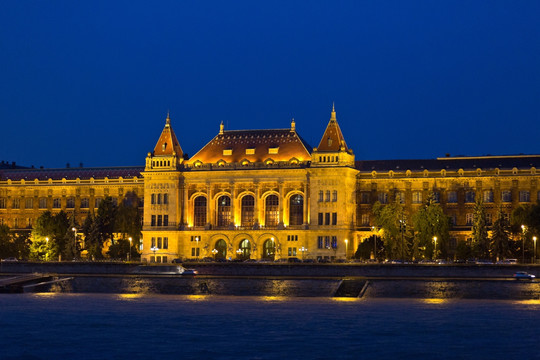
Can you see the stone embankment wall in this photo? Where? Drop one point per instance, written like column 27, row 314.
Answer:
column 271, row 269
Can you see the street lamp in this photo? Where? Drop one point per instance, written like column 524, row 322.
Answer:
column 303, row 251
column 75, row 241
column 435, row 251
column 402, row 226
column 154, row 249
column 239, row 252
column 346, row 248
column 47, row 252
column 534, row 255
column 374, row 243
column 214, row 251
column 523, row 229
column 197, row 251
column 129, row 251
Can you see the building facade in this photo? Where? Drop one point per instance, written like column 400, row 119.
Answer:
column 266, row 194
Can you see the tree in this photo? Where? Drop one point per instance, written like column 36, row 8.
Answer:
column 480, row 231
column 128, row 223
column 95, row 239
column 390, row 218
column 6, row 246
column 500, row 237
column 106, row 217
column 430, row 221
column 53, row 227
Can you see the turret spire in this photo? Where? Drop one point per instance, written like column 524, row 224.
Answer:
column 333, row 113
column 168, row 120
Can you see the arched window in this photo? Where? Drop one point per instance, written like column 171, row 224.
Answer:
column 224, row 211
column 296, row 210
column 248, row 210
column 199, row 211
column 221, row 247
column 271, row 210
column 269, row 249
column 245, row 249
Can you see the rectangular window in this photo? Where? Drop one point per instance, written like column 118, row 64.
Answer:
column 488, row 196
column 327, row 242
column 469, row 218
column 166, row 198
column 29, row 203
column 227, row 152
column 70, row 204
column 382, row 198
column 400, row 197
column 327, row 219
column 417, row 197
column 165, row 220
column 453, row 219
column 159, row 220
column 164, row 259
column 365, row 219
column 292, row 251
column 97, row 202
column 159, row 243
column 250, row 151
column 153, row 243
column 153, row 199
column 327, row 195
column 165, row 242
column 158, row 199
column 84, row 203
column 334, row 196
column 452, row 197
column 364, row 197
column 195, row 252
column 334, row 242
column 334, row 218
column 436, row 196
column 57, row 203
column 506, row 196
column 470, row 196
column 153, row 222
column 320, row 244
column 321, row 218
column 273, row 151
column 2, row 203
column 321, row 196
column 16, row 203
column 42, row 203
column 524, row 196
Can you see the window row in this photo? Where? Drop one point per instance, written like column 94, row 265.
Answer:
column 327, row 242
column 159, row 220
column 451, row 196
column 159, row 199
column 327, row 198
column 159, row 243
column 324, row 218
column 247, row 212
column 56, row 203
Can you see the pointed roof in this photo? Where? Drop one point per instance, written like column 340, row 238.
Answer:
column 332, row 139
column 168, row 143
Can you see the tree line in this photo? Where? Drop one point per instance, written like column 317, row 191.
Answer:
column 425, row 234
column 60, row 237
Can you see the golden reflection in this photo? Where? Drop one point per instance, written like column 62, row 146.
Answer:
column 528, row 302
column 45, row 294
column 345, row 299
column 197, row 297
column 129, row 296
column 274, row 298
column 435, row 301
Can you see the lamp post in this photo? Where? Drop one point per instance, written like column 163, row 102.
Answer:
column 401, row 228
column 374, row 243
column 75, row 241
column 154, row 249
column 346, row 248
column 214, row 251
column 435, row 251
column 239, row 253
column 303, row 251
column 523, row 229
column 197, row 251
column 534, row 255
column 47, row 252
column 129, row 251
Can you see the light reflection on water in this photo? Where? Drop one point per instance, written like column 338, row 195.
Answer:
column 103, row 326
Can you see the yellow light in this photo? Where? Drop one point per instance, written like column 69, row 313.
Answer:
column 274, row 298
column 345, row 299
column 129, row 296
column 197, row 297
column 435, row 301
column 528, row 302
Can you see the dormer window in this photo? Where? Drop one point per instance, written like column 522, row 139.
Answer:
column 329, row 141
column 250, row 151
column 273, row 150
column 164, row 146
column 227, row 152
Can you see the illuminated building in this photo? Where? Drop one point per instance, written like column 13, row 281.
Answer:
column 267, row 194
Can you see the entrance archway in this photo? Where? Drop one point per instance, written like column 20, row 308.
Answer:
column 245, row 249
column 269, row 249
column 221, row 247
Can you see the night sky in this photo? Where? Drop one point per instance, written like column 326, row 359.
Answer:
column 92, row 81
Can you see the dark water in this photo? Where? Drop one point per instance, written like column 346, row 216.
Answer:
column 105, row 326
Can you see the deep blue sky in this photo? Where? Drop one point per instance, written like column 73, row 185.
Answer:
column 92, row 81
